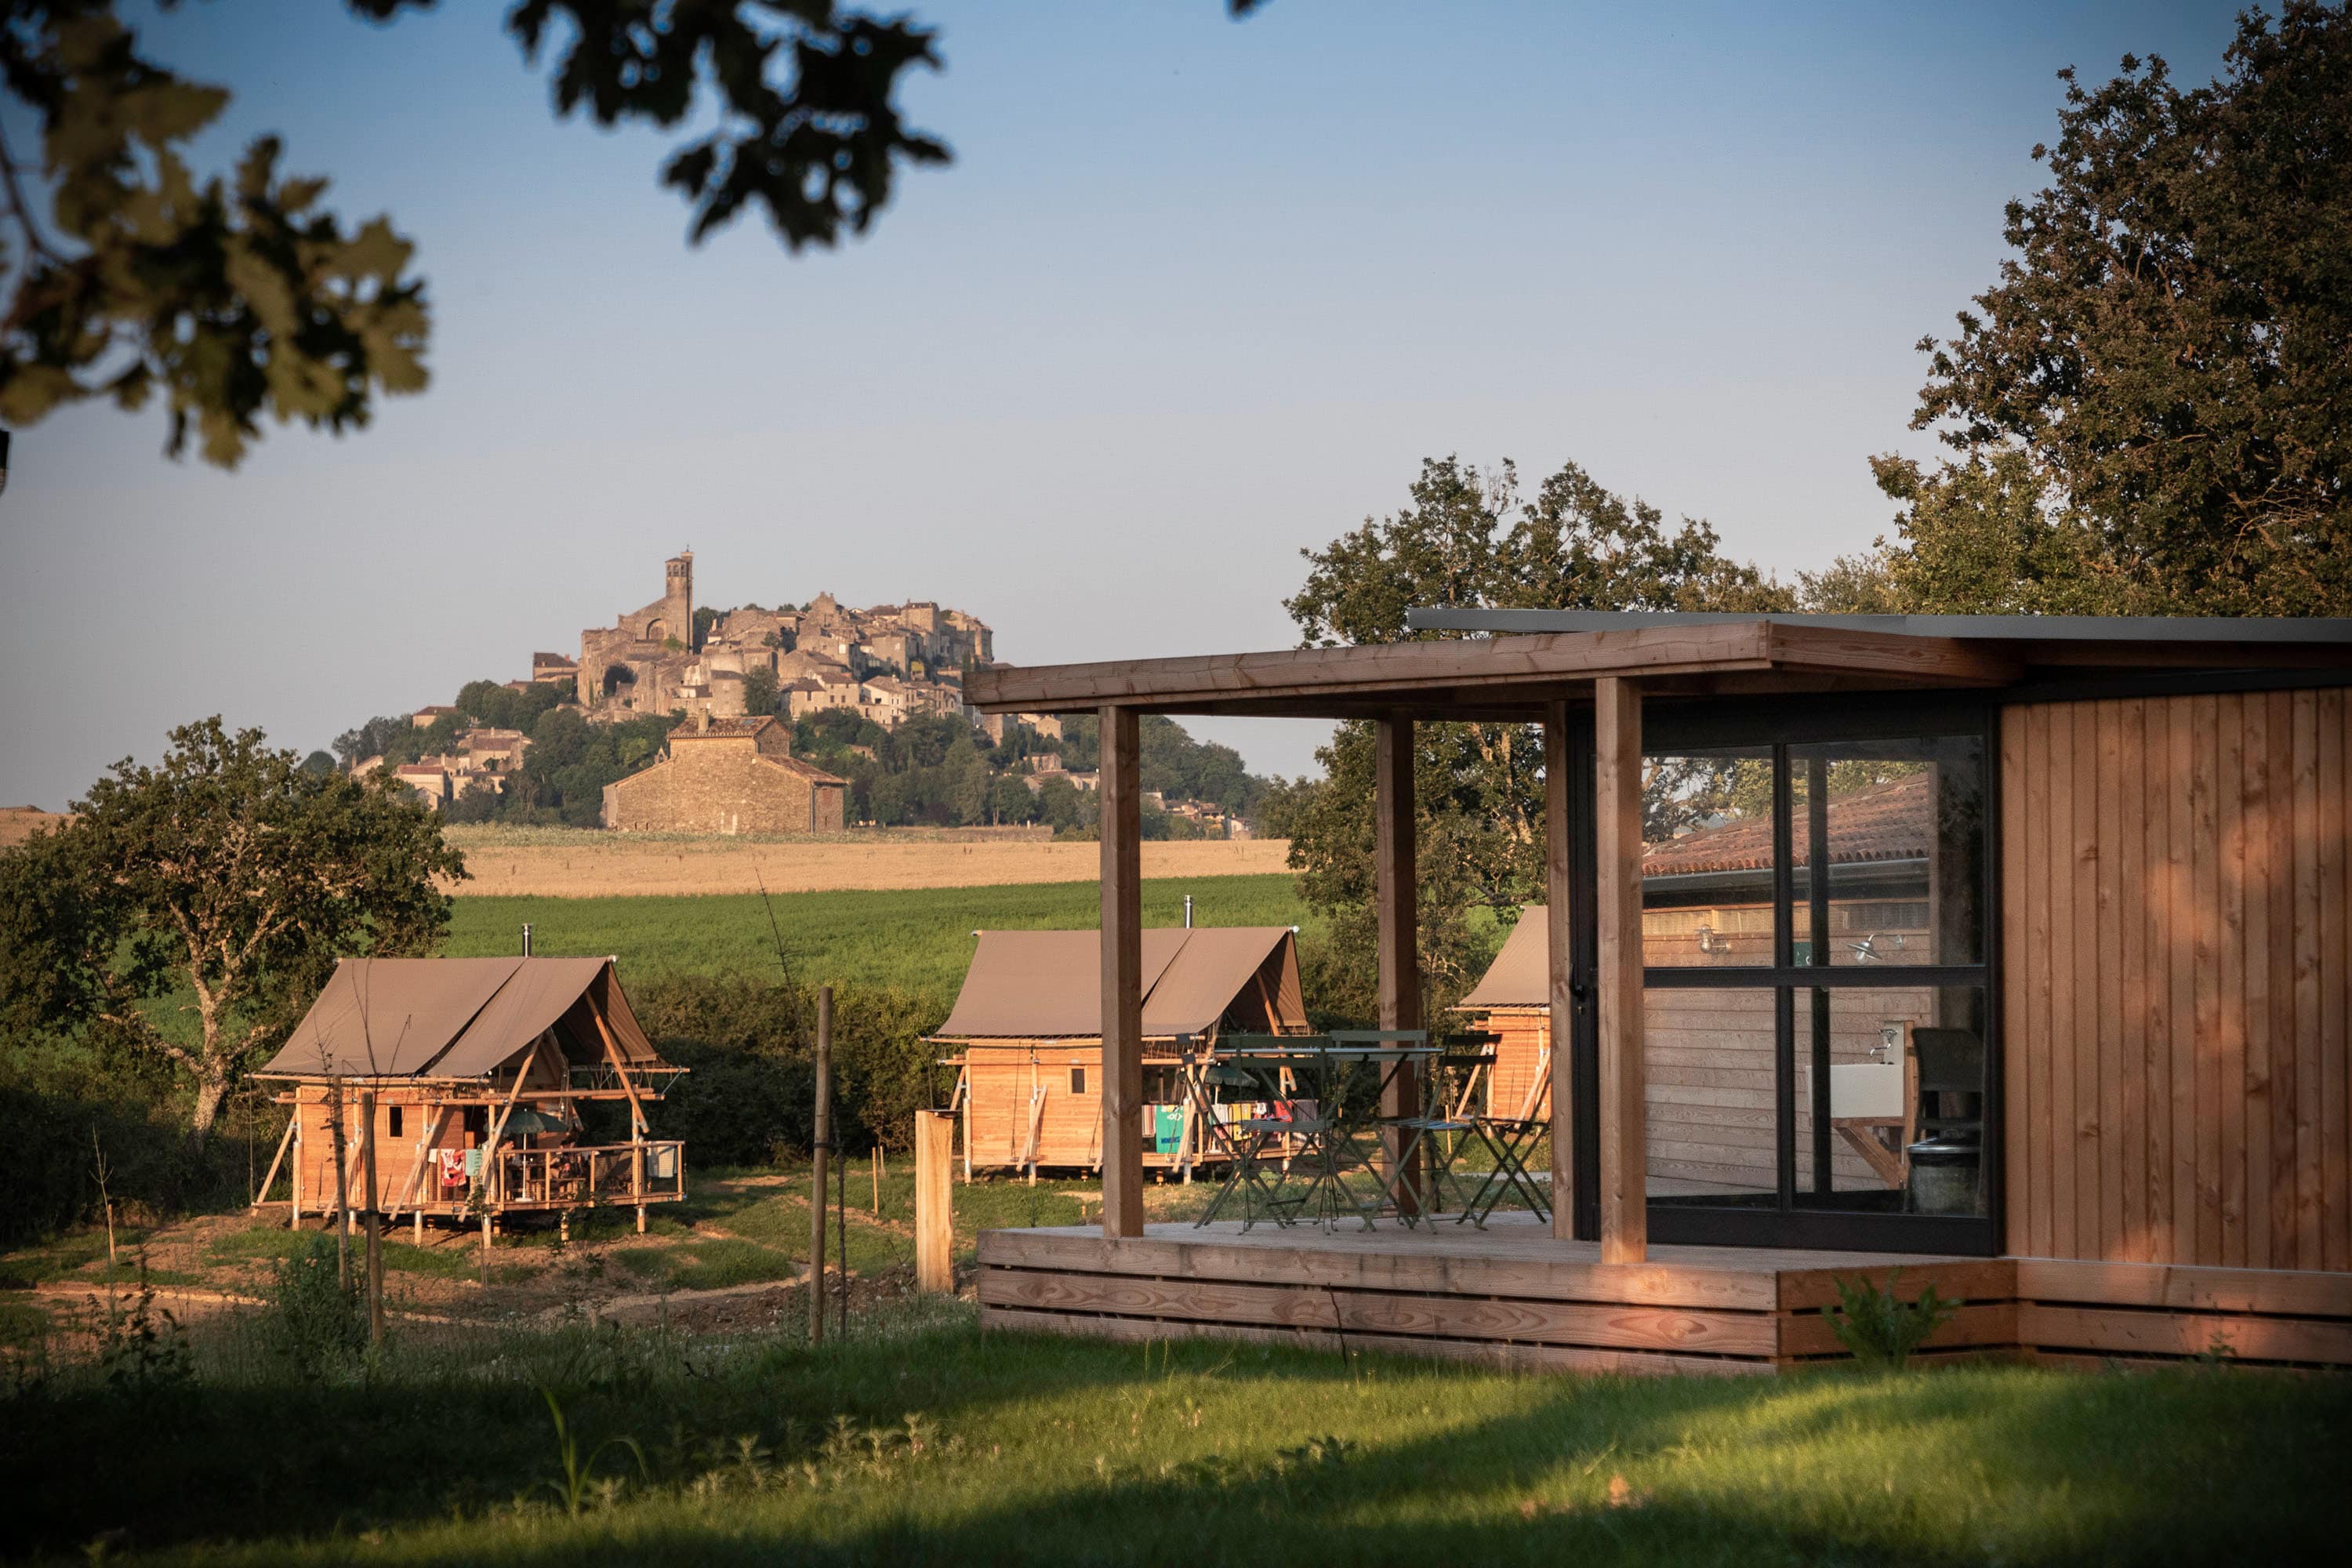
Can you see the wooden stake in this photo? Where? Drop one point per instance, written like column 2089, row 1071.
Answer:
column 875, row 1169
column 822, row 1144
column 934, row 1201
column 374, row 1221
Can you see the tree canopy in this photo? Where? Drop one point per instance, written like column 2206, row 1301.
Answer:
column 239, row 297
column 2151, row 410
column 1471, row 540
column 222, row 884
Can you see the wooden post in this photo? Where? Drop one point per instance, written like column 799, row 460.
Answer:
column 1560, row 872
column 1617, row 800
column 1396, row 898
column 1122, row 975
column 343, row 1194
column 375, row 1220
column 294, row 1215
column 935, row 1200
column 824, row 1142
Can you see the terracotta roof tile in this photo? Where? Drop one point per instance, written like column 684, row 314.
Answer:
column 1885, row 822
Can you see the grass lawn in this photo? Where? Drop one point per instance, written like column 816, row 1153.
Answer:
column 919, row 1439
column 918, row 941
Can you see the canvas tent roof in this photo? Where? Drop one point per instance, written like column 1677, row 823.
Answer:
column 1521, row 973
column 455, row 1017
column 1047, row 985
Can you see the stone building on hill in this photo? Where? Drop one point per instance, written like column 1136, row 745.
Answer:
column 728, row 775
column 658, row 660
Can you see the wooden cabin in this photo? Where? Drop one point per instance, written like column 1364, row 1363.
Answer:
column 2097, row 1087
column 1028, row 1023
column 478, row 1069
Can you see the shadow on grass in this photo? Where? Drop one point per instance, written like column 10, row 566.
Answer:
column 1213, row 1452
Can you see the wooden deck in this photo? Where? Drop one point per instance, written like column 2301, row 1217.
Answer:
column 1512, row 1296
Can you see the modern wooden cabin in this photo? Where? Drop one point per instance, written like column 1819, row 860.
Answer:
column 2120, row 1123
column 478, row 1069
column 1028, row 1028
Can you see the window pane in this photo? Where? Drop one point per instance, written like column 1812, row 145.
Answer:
column 1706, row 871
column 1906, row 826
column 1906, row 1089
column 1708, row 1058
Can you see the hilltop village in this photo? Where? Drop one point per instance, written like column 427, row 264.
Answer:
column 684, row 719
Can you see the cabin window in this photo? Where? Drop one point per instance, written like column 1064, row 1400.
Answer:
column 393, row 1121
column 1814, row 930
column 1077, row 1081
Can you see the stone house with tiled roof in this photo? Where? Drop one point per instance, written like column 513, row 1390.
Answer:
column 728, row 776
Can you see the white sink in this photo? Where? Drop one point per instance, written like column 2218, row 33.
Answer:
column 1866, row 1088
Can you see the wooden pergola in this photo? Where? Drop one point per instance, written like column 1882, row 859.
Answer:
column 1548, row 668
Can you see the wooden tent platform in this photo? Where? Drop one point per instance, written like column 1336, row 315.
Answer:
column 1513, row 1296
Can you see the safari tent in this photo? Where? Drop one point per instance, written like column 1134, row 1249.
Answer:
column 1029, row 1025
column 478, row 1069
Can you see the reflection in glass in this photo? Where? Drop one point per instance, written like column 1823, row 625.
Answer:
column 1904, row 822
column 1707, row 868
column 1708, row 1100
column 1904, row 1094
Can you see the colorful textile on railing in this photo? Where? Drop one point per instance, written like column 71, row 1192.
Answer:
column 452, row 1165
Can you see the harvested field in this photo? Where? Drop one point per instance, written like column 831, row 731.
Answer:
column 588, row 865
column 19, row 822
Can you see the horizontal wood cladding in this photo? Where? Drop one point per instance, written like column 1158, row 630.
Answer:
column 2176, row 980
column 1512, row 1297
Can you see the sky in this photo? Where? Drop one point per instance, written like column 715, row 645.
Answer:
column 1195, row 295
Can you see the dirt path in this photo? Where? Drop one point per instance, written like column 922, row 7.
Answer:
column 604, row 865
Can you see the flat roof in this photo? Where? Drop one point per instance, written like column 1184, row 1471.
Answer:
column 1527, row 658
column 2000, row 628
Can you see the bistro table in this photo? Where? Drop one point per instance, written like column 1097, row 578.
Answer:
column 1325, row 1119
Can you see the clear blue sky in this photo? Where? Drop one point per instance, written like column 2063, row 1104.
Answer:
column 1194, row 294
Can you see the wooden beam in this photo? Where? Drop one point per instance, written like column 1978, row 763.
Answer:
column 1498, row 664
column 1560, row 876
column 1122, row 975
column 1386, row 667
column 1396, row 907
column 1617, row 799
column 261, row 1194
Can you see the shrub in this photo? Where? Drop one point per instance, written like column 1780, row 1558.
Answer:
column 1878, row 1328
column 315, row 1321
column 752, row 1049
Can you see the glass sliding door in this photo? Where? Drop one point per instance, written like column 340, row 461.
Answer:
column 1815, row 919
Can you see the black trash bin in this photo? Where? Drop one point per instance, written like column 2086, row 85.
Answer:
column 1947, row 1172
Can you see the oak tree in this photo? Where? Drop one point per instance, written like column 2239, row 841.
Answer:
column 2152, row 408
column 221, row 885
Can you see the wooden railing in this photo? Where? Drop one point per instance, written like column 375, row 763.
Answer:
column 588, row 1175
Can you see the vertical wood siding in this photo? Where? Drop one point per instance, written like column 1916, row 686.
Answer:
column 2176, row 971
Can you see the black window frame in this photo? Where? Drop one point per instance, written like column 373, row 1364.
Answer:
column 1671, row 728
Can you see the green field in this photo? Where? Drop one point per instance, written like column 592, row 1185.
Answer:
column 918, row 940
